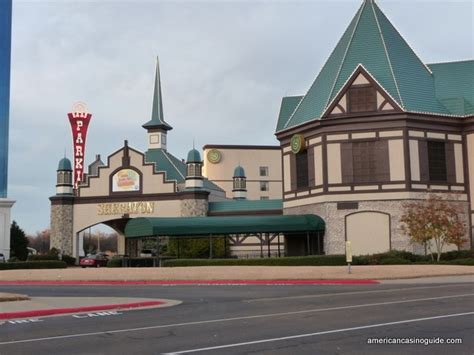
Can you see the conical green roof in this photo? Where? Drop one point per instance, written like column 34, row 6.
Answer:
column 193, row 156
column 239, row 172
column 65, row 164
column 157, row 117
column 372, row 42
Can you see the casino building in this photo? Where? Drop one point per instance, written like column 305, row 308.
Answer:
column 377, row 128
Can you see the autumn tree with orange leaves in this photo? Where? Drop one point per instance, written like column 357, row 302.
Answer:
column 434, row 220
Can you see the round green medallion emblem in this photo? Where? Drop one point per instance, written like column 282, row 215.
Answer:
column 297, row 143
column 214, row 156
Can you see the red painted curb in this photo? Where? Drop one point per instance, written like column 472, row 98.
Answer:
column 199, row 282
column 49, row 312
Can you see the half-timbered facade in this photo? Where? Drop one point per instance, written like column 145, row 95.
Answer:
column 376, row 129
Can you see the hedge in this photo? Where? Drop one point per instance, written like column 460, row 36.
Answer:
column 69, row 260
column 44, row 264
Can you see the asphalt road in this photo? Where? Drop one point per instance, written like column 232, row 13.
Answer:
column 255, row 320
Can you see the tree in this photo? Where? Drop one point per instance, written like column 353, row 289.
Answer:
column 40, row 242
column 434, row 220
column 18, row 242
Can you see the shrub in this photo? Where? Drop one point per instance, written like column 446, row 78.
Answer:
column 115, row 262
column 464, row 261
column 394, row 261
column 458, row 254
column 45, row 264
column 42, row 257
column 315, row 260
column 69, row 260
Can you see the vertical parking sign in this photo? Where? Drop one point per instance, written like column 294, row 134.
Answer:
column 79, row 119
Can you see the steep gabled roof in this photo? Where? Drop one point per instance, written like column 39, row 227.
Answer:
column 372, row 41
column 454, row 85
column 288, row 105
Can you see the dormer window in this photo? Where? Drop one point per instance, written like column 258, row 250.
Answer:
column 362, row 98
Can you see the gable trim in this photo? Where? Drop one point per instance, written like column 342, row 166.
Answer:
column 360, row 69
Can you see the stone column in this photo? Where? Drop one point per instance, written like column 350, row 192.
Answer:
column 194, row 203
column 62, row 235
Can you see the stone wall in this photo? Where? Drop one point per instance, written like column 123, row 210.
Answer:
column 194, row 207
column 62, row 228
column 335, row 235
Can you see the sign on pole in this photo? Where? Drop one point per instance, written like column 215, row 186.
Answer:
column 349, row 255
column 79, row 119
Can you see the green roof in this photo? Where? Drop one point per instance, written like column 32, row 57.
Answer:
column 194, row 156
column 239, row 172
column 245, row 205
column 174, row 168
column 157, row 117
column 372, row 42
column 454, row 85
column 204, row 226
column 65, row 164
column 288, row 105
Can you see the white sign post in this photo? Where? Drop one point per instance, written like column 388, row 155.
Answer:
column 348, row 255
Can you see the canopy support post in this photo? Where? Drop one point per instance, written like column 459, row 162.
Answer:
column 268, row 244
column 261, row 245
column 225, row 246
column 158, row 251
column 179, row 247
column 279, row 254
column 307, row 242
column 210, row 246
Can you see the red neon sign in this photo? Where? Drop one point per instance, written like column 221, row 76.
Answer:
column 79, row 120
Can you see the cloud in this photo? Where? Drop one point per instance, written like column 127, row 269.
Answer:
column 224, row 67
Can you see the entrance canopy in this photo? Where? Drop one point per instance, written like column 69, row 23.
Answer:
column 205, row 226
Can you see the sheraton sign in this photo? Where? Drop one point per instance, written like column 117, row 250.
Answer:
column 125, row 208
column 79, row 119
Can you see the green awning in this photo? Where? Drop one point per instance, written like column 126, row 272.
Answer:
column 204, row 226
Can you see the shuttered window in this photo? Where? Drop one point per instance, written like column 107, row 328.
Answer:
column 362, row 99
column 364, row 161
column 302, row 180
column 437, row 161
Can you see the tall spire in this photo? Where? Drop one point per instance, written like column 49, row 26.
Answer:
column 157, row 117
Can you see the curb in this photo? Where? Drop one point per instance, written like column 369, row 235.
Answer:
column 197, row 282
column 55, row 311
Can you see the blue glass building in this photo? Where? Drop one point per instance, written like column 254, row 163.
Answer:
column 5, row 51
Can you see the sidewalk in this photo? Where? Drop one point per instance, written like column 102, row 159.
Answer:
column 216, row 273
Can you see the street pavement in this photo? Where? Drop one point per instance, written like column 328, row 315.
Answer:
column 255, row 319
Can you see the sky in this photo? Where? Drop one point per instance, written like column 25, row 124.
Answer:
column 225, row 65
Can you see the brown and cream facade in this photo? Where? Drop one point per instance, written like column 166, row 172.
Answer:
column 377, row 128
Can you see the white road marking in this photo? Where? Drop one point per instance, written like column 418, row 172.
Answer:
column 345, row 293
column 321, row 333
column 234, row 319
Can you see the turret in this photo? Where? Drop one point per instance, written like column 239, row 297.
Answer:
column 240, row 184
column 64, row 184
column 194, row 177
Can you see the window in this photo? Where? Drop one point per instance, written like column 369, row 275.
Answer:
column 264, row 186
column 263, row 197
column 364, row 161
column 240, row 184
column 437, row 161
column 264, row 171
column 154, row 138
column 302, row 180
column 362, row 99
